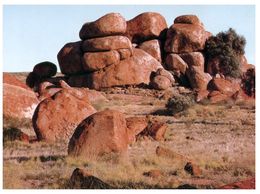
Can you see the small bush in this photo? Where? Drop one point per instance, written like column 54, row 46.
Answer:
column 180, row 103
column 227, row 47
column 11, row 134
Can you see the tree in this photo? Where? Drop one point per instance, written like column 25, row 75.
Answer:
column 227, row 47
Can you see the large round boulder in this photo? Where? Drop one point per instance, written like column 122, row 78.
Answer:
column 56, row 117
column 146, row 26
column 160, row 82
column 45, row 69
column 70, row 58
column 107, row 25
column 102, row 133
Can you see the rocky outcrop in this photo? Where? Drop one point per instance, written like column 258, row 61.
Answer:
column 102, row 133
column 56, row 117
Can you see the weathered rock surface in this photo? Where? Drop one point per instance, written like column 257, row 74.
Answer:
column 224, row 86
column 81, row 179
column 99, row 60
column 106, row 44
column 160, row 82
column 197, row 78
column 175, row 63
column 194, row 59
column 101, row 133
column 18, row 100
column 56, row 117
column 146, row 26
column 135, row 125
column 165, row 73
column 45, row 69
column 107, row 25
column 125, row 53
column 152, row 47
column 162, row 79
column 188, row 19
column 132, row 71
column 12, row 80
column 183, row 38
column 217, row 97
column 70, row 58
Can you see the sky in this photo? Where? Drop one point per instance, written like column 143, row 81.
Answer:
column 35, row 33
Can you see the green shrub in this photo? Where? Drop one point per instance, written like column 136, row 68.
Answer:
column 227, row 47
column 180, row 103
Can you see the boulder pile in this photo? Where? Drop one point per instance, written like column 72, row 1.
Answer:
column 106, row 55
column 184, row 45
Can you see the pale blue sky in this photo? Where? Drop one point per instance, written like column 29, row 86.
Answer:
column 33, row 34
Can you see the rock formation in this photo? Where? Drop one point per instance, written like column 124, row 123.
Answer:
column 105, row 57
column 184, row 44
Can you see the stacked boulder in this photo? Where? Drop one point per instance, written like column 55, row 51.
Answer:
column 184, row 46
column 105, row 57
column 41, row 72
column 148, row 30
